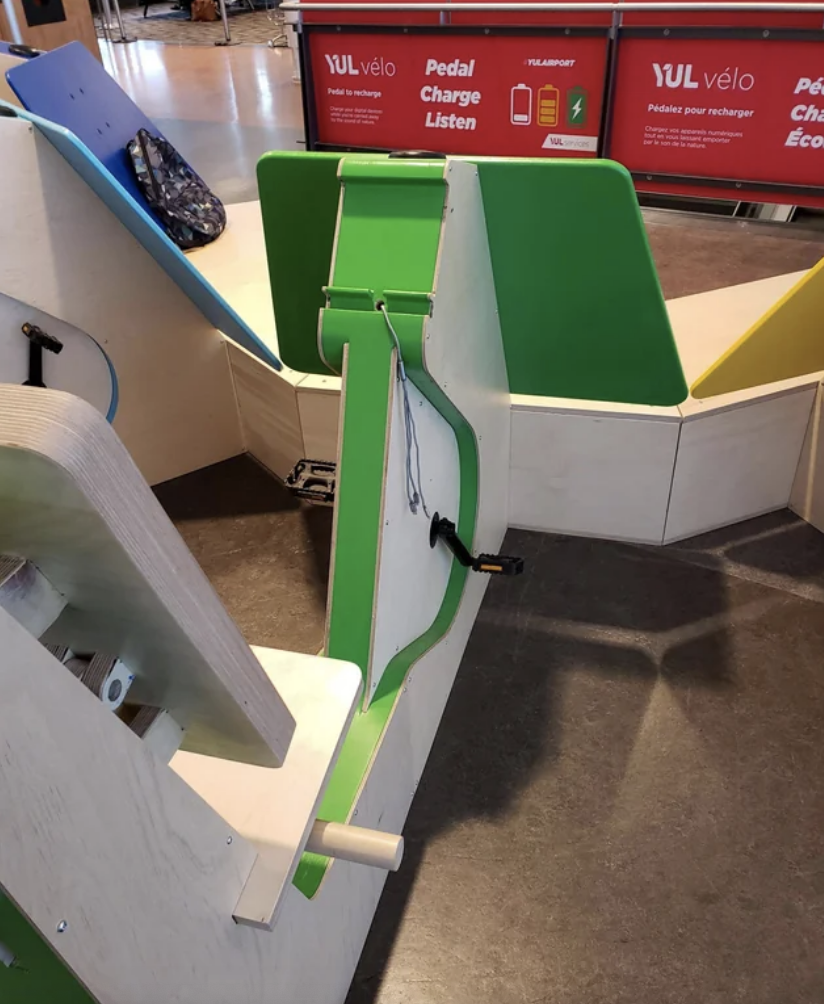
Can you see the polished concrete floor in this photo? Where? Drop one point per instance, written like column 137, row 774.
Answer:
column 221, row 107
column 625, row 800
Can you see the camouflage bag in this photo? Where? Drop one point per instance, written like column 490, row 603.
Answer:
column 189, row 212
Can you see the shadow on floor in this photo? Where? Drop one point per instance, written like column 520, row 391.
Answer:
column 624, row 799
column 779, row 545
column 265, row 552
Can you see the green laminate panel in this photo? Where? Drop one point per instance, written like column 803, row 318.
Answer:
column 299, row 195
column 359, row 493
column 581, row 308
column 370, row 723
column 37, row 975
column 391, row 225
column 389, row 234
column 388, row 238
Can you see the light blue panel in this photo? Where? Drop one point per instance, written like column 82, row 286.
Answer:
column 138, row 222
column 69, row 87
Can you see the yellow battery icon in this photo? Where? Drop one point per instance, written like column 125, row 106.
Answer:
column 549, row 100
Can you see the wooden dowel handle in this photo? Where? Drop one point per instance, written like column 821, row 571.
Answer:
column 356, row 844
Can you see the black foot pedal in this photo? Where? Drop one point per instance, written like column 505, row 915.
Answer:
column 313, row 480
column 443, row 529
column 38, row 341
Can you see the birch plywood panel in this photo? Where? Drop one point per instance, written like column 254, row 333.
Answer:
column 63, row 252
column 72, row 502
column 591, row 471
column 737, row 461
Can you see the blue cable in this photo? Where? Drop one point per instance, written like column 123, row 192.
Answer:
column 414, row 492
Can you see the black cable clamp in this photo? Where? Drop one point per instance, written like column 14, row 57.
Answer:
column 39, row 340
column 443, row 529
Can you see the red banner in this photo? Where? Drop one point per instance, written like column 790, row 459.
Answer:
column 521, row 96
column 720, row 109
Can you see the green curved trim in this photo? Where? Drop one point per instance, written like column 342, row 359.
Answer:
column 387, row 248
column 369, row 726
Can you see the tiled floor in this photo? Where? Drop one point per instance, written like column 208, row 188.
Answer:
column 625, row 801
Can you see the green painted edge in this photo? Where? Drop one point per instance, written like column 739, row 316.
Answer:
column 358, row 342
column 37, row 975
column 369, row 725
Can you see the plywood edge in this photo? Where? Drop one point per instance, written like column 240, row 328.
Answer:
column 314, row 382
column 589, row 536
column 807, row 492
column 292, row 377
column 675, row 538
column 607, row 409
column 693, row 409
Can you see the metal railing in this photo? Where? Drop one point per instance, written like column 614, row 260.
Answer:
column 586, row 6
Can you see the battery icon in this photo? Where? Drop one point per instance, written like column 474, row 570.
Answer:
column 576, row 104
column 548, row 101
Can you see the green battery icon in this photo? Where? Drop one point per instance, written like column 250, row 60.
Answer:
column 576, row 103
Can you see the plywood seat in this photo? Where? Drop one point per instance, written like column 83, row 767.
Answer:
column 73, row 502
column 275, row 809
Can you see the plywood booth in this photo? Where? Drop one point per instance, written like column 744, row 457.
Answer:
column 470, row 344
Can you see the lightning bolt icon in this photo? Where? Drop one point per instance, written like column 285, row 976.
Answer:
column 576, row 108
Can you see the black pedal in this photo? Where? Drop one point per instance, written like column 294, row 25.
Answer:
column 313, row 480
column 38, row 341
column 444, row 529
column 498, row 564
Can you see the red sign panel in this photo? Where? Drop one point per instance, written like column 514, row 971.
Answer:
column 521, row 96
column 721, row 109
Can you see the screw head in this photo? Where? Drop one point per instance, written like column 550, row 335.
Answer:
column 62, row 926
column 229, row 839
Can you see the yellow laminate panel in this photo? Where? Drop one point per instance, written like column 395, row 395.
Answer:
column 788, row 341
